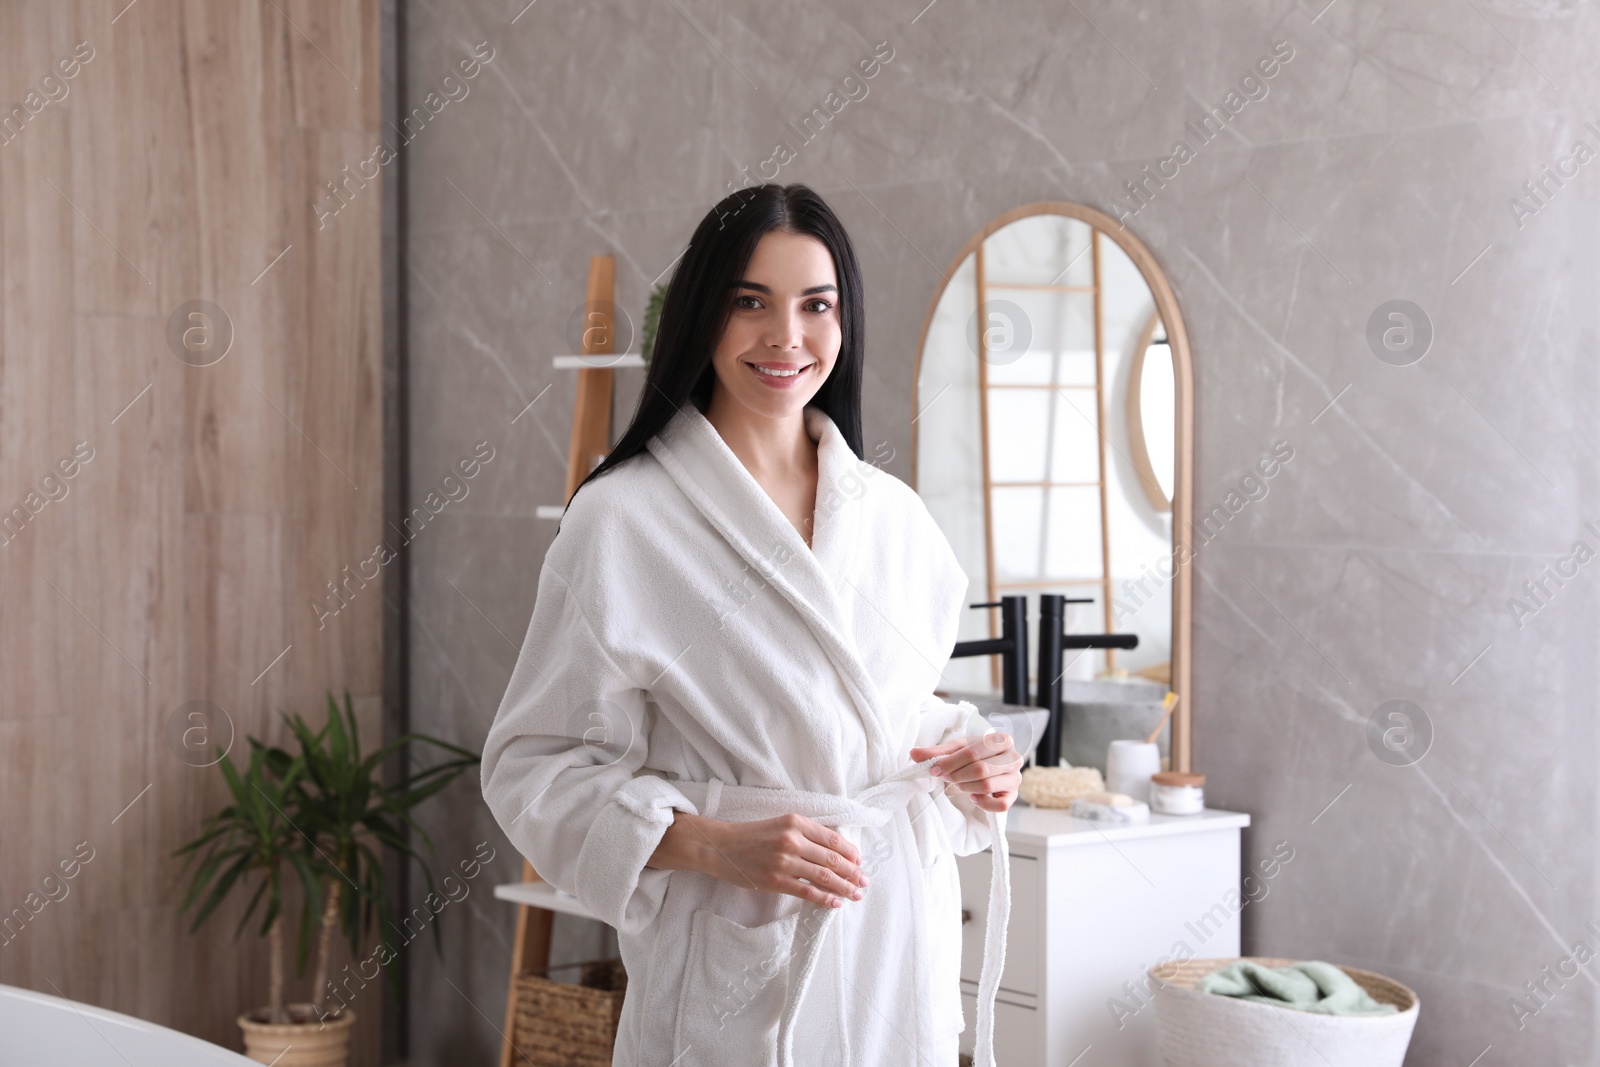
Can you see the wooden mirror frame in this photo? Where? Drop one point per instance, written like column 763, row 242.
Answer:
column 1183, row 433
column 1137, row 445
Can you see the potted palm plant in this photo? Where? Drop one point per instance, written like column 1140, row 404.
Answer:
column 322, row 812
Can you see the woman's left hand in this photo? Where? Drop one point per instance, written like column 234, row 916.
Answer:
column 989, row 769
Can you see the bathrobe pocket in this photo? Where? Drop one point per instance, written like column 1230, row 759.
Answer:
column 734, row 986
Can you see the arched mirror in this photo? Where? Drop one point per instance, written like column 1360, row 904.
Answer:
column 1052, row 422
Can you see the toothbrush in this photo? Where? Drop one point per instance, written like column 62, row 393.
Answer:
column 1168, row 702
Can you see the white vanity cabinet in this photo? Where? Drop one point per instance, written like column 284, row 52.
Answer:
column 1092, row 908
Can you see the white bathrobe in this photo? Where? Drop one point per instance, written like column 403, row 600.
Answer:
column 688, row 651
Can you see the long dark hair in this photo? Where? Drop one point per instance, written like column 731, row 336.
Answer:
column 699, row 301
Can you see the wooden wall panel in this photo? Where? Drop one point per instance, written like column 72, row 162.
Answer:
column 334, row 404
column 132, row 168
column 121, row 647
column 184, row 556
column 236, row 460
column 333, row 64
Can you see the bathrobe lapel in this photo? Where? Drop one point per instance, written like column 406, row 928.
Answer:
column 815, row 580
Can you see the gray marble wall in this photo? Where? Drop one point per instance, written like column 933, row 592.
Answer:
column 1385, row 160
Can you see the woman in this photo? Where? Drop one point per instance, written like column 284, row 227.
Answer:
column 721, row 734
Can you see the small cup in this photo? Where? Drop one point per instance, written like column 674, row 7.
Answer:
column 1129, row 765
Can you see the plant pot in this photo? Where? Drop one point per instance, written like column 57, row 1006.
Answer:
column 307, row 1043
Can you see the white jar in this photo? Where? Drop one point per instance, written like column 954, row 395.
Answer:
column 1173, row 793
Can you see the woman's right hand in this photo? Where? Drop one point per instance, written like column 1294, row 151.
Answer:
column 790, row 854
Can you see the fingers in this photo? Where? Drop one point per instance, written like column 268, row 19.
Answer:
column 822, row 884
column 833, row 855
column 961, row 753
column 996, row 793
column 998, row 786
column 973, row 767
column 833, row 871
column 818, row 864
column 828, row 838
column 927, row 751
column 994, row 801
column 806, row 891
column 994, row 748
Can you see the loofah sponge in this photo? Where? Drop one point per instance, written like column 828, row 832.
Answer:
column 1057, row 787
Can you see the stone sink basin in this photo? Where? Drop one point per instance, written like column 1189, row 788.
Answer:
column 1096, row 713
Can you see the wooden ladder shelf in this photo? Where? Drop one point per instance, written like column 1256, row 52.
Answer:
column 591, row 440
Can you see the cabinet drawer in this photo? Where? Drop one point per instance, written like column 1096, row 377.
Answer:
column 1018, row 1040
column 1024, row 931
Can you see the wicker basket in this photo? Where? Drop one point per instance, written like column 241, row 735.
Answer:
column 569, row 1024
column 1198, row 1029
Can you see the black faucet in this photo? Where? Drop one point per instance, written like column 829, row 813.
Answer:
column 1011, row 646
column 1052, row 621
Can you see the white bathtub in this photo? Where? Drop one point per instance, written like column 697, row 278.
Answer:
column 38, row 1030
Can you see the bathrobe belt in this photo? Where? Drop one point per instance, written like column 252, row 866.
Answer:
column 872, row 807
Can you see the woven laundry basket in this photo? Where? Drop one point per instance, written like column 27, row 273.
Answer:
column 1198, row 1029
column 569, row 1024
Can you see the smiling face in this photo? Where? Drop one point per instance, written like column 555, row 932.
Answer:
column 784, row 331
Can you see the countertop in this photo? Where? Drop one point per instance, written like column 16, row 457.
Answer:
column 1054, row 828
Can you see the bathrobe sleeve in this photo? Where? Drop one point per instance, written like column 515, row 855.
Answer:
column 966, row 824
column 562, row 766
column 945, row 584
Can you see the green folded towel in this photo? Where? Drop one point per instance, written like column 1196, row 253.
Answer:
column 1308, row 986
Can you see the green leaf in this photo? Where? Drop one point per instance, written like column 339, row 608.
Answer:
column 245, row 918
column 355, row 731
column 393, row 746
column 411, row 797
column 207, row 835
column 220, row 891
column 274, row 906
column 310, row 908
column 205, row 872
column 231, row 776
column 338, row 739
column 652, row 318
column 321, row 806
